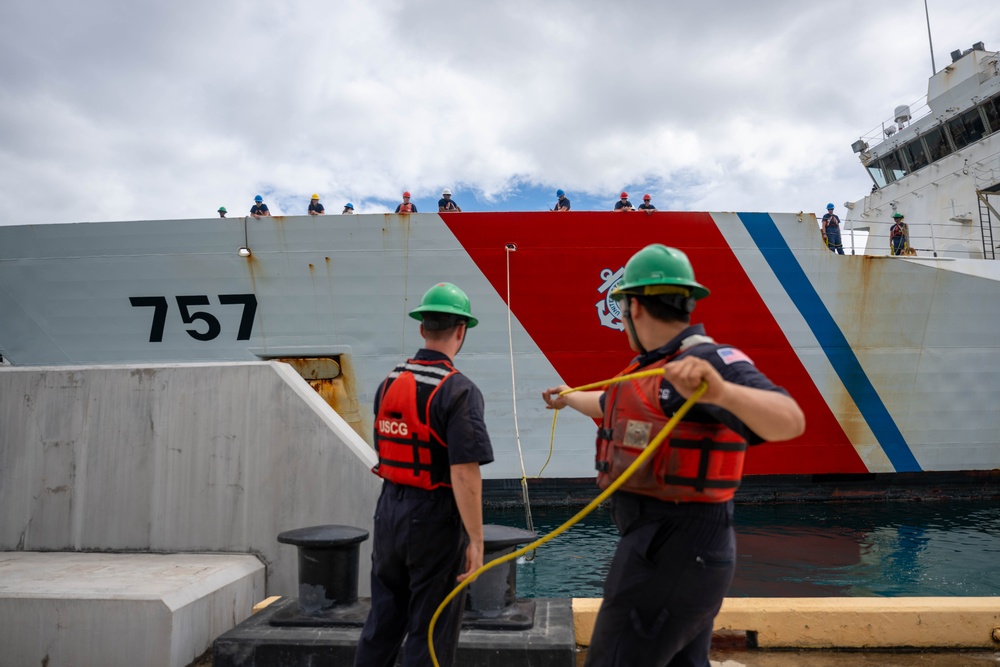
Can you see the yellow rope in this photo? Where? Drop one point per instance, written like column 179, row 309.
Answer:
column 604, row 495
column 586, row 387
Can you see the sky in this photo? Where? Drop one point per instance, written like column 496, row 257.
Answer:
column 126, row 109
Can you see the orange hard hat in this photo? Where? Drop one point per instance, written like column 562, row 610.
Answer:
column 646, row 197
column 624, row 195
column 406, row 194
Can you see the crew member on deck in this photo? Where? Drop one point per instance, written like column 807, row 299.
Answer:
column 406, row 206
column 677, row 551
column 623, row 204
column 315, row 208
column 646, row 206
column 899, row 235
column 831, row 231
column 430, row 437
column 259, row 209
column 446, row 203
column 562, row 201
column 348, row 209
column 222, row 211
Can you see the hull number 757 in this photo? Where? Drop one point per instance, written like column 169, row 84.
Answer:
column 209, row 327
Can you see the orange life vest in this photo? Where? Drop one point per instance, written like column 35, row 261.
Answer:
column 409, row 451
column 699, row 462
column 406, row 208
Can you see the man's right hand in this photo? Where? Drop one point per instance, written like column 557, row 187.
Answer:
column 473, row 559
column 552, row 398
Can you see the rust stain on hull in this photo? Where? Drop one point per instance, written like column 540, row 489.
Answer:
column 333, row 379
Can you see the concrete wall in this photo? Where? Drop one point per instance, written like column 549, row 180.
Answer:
column 186, row 457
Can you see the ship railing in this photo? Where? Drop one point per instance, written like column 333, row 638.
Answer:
column 952, row 240
column 889, row 127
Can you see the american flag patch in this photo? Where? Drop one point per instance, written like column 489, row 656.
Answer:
column 731, row 355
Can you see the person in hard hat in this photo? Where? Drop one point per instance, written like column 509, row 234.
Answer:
column 830, row 227
column 259, row 208
column 348, row 209
column 431, row 439
column 315, row 208
column 222, row 211
column 677, row 551
column 562, row 201
column 646, row 206
column 623, row 204
column 446, row 203
column 899, row 235
column 406, row 206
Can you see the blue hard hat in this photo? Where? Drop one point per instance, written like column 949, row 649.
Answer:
column 559, row 193
column 349, row 205
column 829, row 207
column 258, row 198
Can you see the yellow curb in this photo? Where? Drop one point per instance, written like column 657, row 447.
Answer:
column 958, row 622
column 263, row 604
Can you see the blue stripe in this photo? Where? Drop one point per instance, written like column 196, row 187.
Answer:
column 793, row 279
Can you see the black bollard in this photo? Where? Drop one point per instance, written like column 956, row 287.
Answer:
column 328, row 577
column 492, row 602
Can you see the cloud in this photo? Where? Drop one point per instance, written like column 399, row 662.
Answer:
column 114, row 110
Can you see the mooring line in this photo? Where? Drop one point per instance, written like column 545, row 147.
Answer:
column 508, row 249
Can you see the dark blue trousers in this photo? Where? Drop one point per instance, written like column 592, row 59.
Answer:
column 833, row 240
column 417, row 552
column 669, row 574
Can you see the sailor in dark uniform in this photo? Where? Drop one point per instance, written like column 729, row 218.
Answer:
column 430, row 436
column 677, row 552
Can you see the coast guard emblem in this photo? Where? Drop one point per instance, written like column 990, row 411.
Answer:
column 608, row 309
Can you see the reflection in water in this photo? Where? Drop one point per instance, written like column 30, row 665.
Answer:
column 799, row 550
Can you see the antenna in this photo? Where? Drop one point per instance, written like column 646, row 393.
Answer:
column 929, row 42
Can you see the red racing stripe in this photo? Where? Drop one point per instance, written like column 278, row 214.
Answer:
column 555, row 288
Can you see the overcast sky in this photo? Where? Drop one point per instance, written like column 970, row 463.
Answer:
column 124, row 109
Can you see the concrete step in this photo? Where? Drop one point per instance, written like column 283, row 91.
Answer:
column 75, row 608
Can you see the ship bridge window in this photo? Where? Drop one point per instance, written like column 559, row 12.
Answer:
column 992, row 109
column 937, row 143
column 915, row 154
column 893, row 167
column 967, row 128
column 877, row 175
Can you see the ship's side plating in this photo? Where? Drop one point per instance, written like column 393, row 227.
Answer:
column 894, row 360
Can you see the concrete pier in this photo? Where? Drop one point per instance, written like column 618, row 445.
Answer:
column 120, row 609
column 177, row 458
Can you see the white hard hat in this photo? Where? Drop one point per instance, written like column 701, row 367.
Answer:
column 446, row 191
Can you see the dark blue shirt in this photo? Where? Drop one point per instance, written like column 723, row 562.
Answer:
column 646, row 207
column 258, row 208
column 447, row 204
column 622, row 203
column 732, row 365
column 563, row 203
column 316, row 207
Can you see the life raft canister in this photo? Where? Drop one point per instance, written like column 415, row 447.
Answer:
column 409, row 451
column 698, row 462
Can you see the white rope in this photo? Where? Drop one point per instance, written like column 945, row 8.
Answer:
column 510, row 247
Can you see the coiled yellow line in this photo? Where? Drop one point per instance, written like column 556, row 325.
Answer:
column 641, row 459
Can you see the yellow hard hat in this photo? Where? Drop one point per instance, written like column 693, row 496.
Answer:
column 314, row 197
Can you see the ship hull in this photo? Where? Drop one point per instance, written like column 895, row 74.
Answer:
column 896, row 361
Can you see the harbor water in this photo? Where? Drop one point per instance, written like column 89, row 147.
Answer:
column 939, row 548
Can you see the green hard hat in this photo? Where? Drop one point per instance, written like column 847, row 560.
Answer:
column 657, row 269
column 445, row 298
column 222, row 209
column 897, row 216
